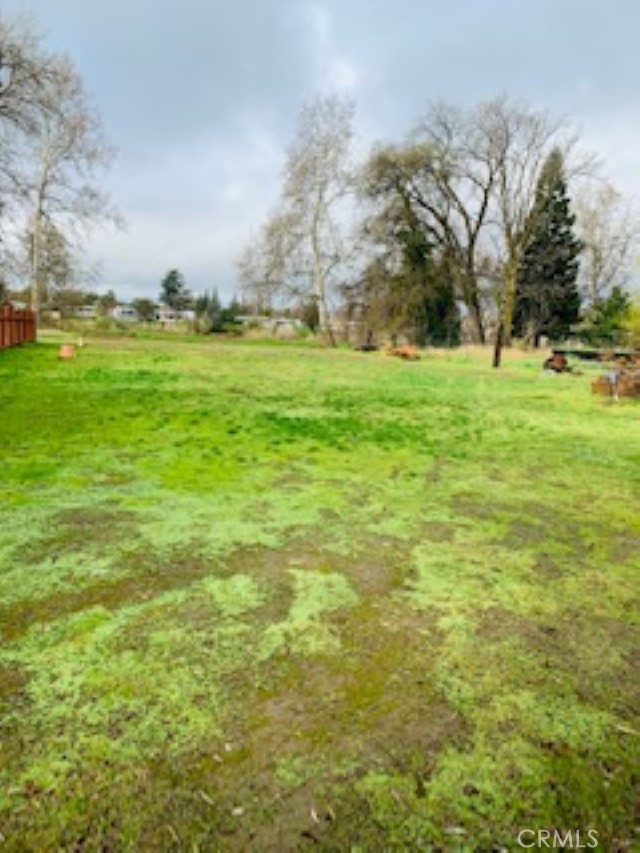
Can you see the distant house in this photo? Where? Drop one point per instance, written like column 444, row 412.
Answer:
column 85, row 312
column 269, row 323
column 166, row 314
column 125, row 312
column 278, row 327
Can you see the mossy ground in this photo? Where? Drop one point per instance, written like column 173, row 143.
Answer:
column 270, row 598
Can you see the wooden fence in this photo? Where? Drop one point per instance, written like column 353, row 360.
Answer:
column 17, row 326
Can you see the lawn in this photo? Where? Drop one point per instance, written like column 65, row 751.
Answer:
column 281, row 598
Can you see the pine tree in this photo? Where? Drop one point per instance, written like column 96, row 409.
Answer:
column 173, row 291
column 548, row 301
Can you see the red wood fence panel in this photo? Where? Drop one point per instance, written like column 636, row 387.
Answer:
column 17, row 326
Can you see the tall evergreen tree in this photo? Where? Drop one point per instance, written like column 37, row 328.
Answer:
column 548, row 301
column 173, row 291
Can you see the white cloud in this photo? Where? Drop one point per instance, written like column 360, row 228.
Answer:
column 332, row 70
column 320, row 23
column 343, row 76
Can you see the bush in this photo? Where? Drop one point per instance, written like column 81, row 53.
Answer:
column 631, row 324
column 605, row 320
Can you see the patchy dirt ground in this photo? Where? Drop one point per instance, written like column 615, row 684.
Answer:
column 278, row 598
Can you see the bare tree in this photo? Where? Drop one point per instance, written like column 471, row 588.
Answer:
column 520, row 141
column 25, row 69
column 443, row 178
column 609, row 229
column 415, row 256
column 462, row 174
column 301, row 245
column 65, row 154
column 52, row 153
column 470, row 176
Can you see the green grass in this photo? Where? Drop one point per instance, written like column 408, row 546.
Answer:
column 275, row 597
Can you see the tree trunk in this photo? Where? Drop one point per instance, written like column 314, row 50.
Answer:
column 510, row 296
column 324, row 323
column 497, row 349
column 319, row 285
column 36, row 242
column 476, row 319
column 506, row 311
column 471, row 300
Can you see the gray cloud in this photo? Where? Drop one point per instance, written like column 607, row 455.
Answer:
column 201, row 98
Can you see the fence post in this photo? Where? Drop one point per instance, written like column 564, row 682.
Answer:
column 12, row 326
column 3, row 337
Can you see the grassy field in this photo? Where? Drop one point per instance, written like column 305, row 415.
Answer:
column 279, row 598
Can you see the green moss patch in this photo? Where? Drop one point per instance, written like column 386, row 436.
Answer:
column 277, row 597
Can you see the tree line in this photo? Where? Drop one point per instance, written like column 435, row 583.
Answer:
column 488, row 219
column 205, row 312
column 209, row 311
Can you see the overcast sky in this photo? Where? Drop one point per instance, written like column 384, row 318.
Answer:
column 202, row 97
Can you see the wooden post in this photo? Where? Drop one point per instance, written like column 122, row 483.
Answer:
column 497, row 350
column 12, row 327
column 3, row 313
column 4, row 310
